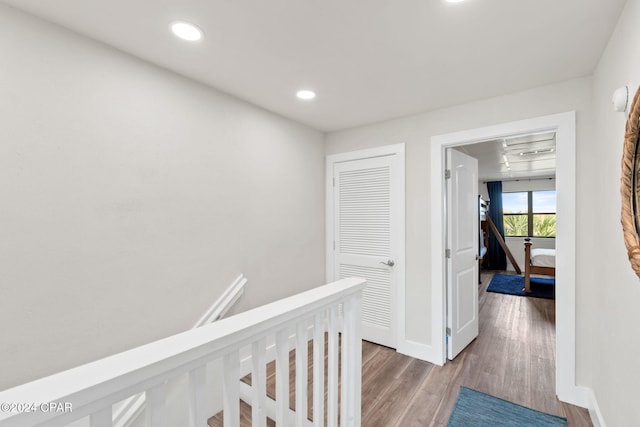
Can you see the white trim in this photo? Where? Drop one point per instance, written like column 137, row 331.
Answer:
column 224, row 303
column 399, row 151
column 565, row 127
column 594, row 410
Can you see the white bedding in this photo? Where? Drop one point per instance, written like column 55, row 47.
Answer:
column 543, row 257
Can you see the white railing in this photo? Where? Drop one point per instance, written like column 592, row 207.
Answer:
column 126, row 413
column 89, row 391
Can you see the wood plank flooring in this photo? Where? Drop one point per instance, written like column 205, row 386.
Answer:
column 513, row 358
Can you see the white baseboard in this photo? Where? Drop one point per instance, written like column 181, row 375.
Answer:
column 585, row 398
column 594, row 411
column 575, row 395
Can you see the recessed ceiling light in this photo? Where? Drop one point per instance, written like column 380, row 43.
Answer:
column 306, row 94
column 186, row 31
column 453, row 1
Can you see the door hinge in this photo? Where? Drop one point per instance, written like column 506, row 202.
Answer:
column 447, row 253
column 447, row 174
column 448, row 332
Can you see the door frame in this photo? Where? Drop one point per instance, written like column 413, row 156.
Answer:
column 399, row 189
column 564, row 124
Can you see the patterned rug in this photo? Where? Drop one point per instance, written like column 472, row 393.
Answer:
column 514, row 285
column 477, row 409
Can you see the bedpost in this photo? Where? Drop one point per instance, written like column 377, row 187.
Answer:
column 527, row 264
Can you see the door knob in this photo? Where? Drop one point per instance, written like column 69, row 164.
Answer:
column 389, row 262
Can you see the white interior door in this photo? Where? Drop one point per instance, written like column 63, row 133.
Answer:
column 462, row 253
column 366, row 227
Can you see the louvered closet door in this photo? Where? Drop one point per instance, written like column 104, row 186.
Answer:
column 363, row 220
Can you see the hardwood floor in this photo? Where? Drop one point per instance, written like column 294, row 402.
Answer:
column 513, row 358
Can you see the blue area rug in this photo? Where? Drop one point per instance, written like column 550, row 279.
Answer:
column 474, row 408
column 514, row 285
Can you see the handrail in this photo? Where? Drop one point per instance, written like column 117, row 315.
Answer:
column 91, row 389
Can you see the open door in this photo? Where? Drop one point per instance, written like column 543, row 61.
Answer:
column 462, row 252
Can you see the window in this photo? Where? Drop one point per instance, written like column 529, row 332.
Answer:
column 529, row 213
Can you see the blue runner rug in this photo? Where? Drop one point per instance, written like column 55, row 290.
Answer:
column 514, row 285
column 474, row 408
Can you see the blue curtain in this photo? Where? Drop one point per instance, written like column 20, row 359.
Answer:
column 497, row 258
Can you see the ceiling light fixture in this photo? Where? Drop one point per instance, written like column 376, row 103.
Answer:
column 186, row 31
column 454, row 1
column 306, row 94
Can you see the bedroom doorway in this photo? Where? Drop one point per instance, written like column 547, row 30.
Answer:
column 564, row 127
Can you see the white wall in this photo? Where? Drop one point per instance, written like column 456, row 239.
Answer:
column 609, row 292
column 131, row 197
column 416, row 132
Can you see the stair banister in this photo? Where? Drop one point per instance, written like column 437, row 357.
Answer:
column 91, row 389
column 125, row 414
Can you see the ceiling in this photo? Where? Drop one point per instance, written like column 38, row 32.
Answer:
column 520, row 157
column 368, row 60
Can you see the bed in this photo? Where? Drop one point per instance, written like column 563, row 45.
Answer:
column 537, row 261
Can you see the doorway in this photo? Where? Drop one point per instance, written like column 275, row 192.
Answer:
column 564, row 126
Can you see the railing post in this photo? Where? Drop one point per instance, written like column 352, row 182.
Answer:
column 231, row 389
column 258, row 383
column 302, row 369
column 318, row 370
column 352, row 363
column 156, row 406
column 282, row 378
column 332, row 375
column 198, row 396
